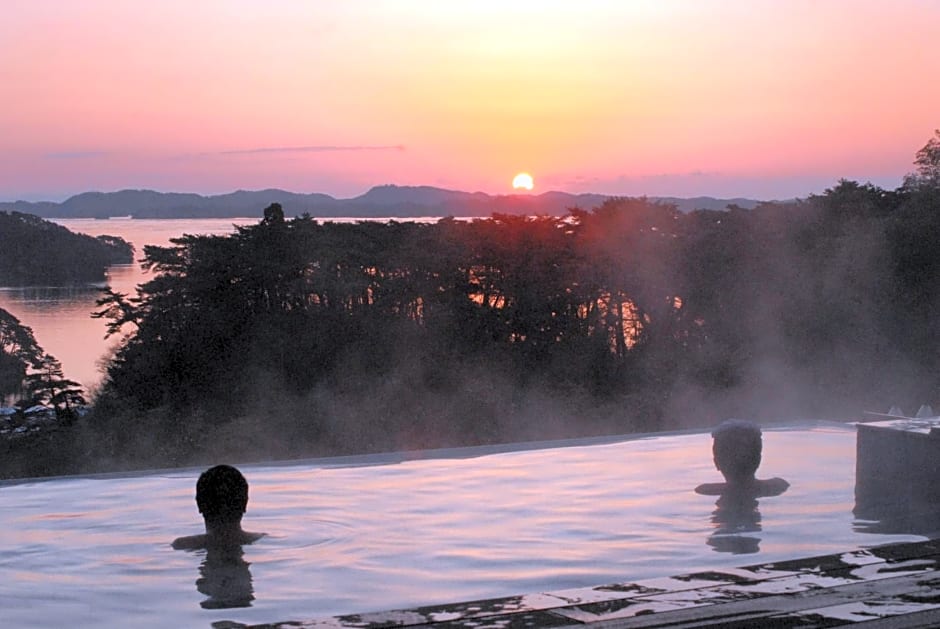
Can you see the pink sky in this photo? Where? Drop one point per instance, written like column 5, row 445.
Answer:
column 766, row 99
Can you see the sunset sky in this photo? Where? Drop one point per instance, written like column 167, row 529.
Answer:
column 765, row 99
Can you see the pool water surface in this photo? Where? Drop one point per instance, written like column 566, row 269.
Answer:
column 397, row 531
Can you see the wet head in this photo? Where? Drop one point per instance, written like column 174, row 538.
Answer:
column 737, row 449
column 222, row 495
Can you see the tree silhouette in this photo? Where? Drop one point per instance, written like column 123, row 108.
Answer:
column 927, row 161
column 48, row 385
column 19, row 352
column 813, row 306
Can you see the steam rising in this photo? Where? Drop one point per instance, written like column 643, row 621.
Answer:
column 632, row 317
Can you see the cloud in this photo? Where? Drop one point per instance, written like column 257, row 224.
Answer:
column 75, row 155
column 655, row 178
column 716, row 184
column 313, row 149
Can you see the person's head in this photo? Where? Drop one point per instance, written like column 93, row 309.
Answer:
column 737, row 449
column 222, row 495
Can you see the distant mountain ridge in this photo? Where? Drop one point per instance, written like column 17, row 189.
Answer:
column 381, row 201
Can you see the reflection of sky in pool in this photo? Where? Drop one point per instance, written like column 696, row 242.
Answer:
column 372, row 535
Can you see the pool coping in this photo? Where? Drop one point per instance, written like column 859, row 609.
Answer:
column 896, row 585
column 453, row 452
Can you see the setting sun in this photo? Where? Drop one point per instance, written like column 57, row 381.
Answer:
column 523, row 181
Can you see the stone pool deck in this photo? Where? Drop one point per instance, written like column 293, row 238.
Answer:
column 895, row 585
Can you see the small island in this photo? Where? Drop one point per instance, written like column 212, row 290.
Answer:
column 37, row 252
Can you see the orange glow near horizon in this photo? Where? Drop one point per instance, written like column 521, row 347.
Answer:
column 610, row 97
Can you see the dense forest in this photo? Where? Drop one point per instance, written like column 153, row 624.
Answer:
column 37, row 252
column 293, row 337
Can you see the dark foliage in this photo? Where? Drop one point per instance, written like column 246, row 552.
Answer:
column 19, row 352
column 819, row 307
column 298, row 338
column 49, row 387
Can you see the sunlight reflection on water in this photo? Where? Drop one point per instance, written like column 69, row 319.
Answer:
column 95, row 551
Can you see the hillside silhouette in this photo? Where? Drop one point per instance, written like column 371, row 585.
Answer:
column 380, row 201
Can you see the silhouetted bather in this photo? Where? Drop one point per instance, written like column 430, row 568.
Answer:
column 737, row 451
column 222, row 497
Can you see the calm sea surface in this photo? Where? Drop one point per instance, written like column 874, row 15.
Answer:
column 376, row 533
column 60, row 316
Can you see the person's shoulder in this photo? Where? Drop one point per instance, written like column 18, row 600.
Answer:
column 755, row 489
column 236, row 540
column 250, row 537
column 772, row 487
column 711, row 489
column 190, row 542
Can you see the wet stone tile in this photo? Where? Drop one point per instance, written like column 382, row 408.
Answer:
column 627, row 588
column 523, row 620
column 627, row 608
column 907, row 550
column 380, row 620
column 928, row 593
column 455, row 613
column 781, row 621
column 474, row 613
column 878, row 571
column 822, row 564
column 789, row 585
column 861, row 611
column 860, row 558
column 495, row 606
column 698, row 597
column 757, row 573
column 598, row 594
column 678, row 584
column 736, row 578
column 862, row 564
column 319, row 623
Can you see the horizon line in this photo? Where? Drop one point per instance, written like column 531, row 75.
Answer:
column 63, row 198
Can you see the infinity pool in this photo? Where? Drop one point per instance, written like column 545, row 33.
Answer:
column 398, row 531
